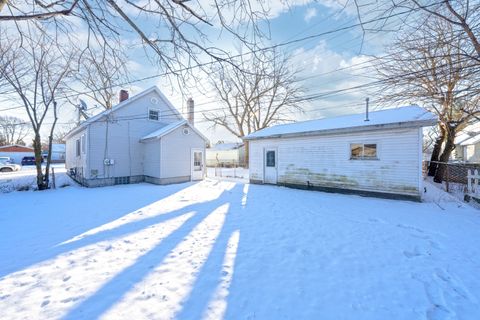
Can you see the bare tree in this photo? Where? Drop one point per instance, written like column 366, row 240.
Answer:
column 255, row 94
column 426, row 64
column 101, row 71
column 13, row 130
column 173, row 32
column 36, row 70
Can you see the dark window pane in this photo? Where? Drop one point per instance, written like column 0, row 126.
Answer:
column 356, row 150
column 270, row 158
column 370, row 151
column 153, row 115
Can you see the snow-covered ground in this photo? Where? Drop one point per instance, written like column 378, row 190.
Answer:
column 224, row 249
column 235, row 173
column 25, row 179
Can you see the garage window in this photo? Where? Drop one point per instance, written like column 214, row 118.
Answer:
column 270, row 158
column 77, row 147
column 363, row 151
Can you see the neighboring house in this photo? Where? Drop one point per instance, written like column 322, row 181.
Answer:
column 143, row 138
column 379, row 157
column 467, row 144
column 226, row 155
column 16, row 152
column 58, row 153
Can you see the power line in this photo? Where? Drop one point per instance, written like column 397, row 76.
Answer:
column 286, row 43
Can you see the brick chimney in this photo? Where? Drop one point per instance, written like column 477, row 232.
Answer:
column 190, row 111
column 123, row 96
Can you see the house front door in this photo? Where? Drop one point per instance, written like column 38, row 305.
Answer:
column 270, row 166
column 197, row 164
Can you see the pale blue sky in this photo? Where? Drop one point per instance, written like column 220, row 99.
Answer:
column 319, row 58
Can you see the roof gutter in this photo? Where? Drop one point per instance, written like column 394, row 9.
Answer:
column 396, row 125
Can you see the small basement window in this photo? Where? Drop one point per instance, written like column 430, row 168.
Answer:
column 153, row 114
column 363, row 151
column 122, row 180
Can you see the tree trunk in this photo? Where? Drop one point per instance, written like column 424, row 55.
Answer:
column 247, row 154
column 37, row 149
column 437, row 148
column 447, row 151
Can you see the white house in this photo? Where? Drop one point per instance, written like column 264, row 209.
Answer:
column 143, row 138
column 467, row 144
column 226, row 155
column 379, row 157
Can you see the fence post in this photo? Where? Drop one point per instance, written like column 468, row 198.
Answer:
column 475, row 181
column 469, row 181
column 448, row 177
column 53, row 178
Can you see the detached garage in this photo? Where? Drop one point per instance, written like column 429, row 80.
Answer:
column 380, row 156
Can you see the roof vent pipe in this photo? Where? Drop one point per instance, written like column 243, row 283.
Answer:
column 190, row 111
column 366, row 109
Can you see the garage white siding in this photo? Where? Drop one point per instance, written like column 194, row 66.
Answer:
column 325, row 161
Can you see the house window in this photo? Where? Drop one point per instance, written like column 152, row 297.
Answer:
column 270, row 158
column 77, row 147
column 365, row 151
column 82, row 142
column 153, row 114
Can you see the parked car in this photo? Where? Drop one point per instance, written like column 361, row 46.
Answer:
column 9, row 167
column 29, row 161
column 7, row 160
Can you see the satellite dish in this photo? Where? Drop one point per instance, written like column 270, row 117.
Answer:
column 83, row 105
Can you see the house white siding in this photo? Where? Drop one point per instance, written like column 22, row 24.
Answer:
column 72, row 160
column 324, row 161
column 119, row 139
column 177, row 163
column 151, row 158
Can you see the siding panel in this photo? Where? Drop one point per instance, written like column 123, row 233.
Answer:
column 325, row 161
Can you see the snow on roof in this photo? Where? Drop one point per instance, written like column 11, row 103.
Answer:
column 169, row 128
column 164, row 130
column 469, row 135
column 121, row 105
column 413, row 115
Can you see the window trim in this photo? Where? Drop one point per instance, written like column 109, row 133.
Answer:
column 376, row 157
column 159, row 114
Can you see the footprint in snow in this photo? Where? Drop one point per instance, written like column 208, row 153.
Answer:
column 44, row 303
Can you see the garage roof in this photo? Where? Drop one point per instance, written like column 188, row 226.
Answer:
column 410, row 116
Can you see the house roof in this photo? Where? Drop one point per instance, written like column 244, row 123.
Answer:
column 469, row 135
column 122, row 104
column 411, row 116
column 15, row 148
column 157, row 134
